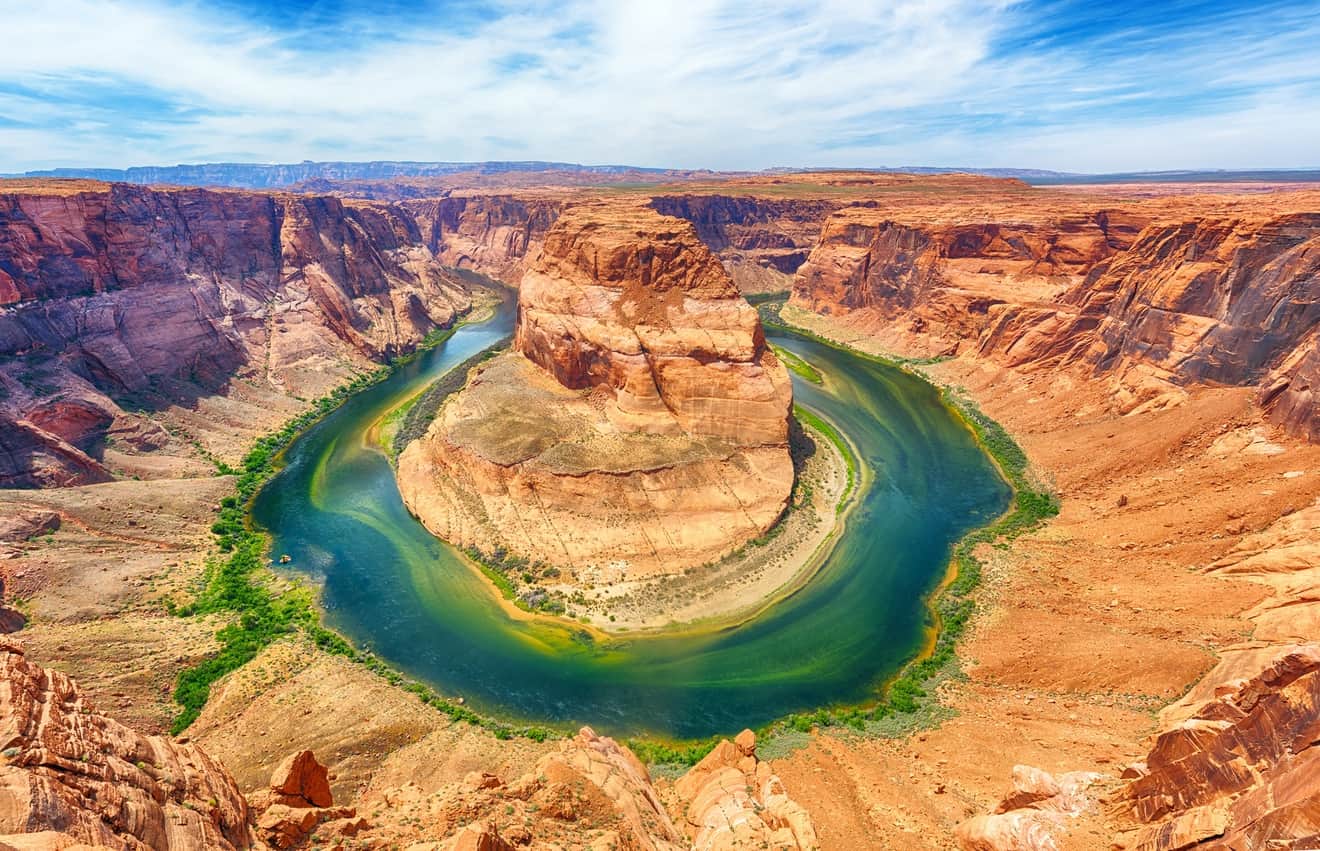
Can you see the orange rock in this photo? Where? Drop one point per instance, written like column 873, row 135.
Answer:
column 478, row 837
column 1032, row 816
column 1245, row 766
column 124, row 287
column 302, row 778
column 732, row 800
column 60, row 756
column 640, row 428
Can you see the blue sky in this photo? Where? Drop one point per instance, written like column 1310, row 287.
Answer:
column 728, row 84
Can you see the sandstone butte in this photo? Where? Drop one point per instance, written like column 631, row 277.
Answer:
column 1151, row 347
column 640, row 422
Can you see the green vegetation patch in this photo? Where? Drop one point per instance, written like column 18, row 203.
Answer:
column 798, row 365
column 834, row 436
column 414, row 416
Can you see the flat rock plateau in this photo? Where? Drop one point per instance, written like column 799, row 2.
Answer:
column 1142, row 671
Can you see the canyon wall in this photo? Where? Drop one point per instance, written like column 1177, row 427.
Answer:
column 1144, row 298
column 761, row 241
column 115, row 299
column 74, row 778
column 494, row 235
column 641, row 424
column 940, row 275
column 1218, row 300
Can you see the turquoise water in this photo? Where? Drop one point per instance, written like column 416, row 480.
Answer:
column 390, row 587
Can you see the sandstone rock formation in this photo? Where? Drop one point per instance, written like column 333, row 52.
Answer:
column 1238, row 761
column 641, row 423
column 492, row 234
column 1150, row 296
column 114, row 293
column 1243, row 770
column 298, row 803
column 73, row 776
column 594, row 793
column 733, row 800
column 1032, row 815
column 761, row 241
column 942, row 271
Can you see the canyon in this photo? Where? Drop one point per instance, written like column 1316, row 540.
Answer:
column 1152, row 350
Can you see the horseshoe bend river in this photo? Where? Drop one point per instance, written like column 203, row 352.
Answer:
column 391, row 587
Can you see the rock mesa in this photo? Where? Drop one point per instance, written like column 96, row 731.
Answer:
column 640, row 423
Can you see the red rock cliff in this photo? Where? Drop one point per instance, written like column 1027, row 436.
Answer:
column 632, row 301
column 110, row 290
column 1150, row 295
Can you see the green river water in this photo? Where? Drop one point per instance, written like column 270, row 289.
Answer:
column 392, row 588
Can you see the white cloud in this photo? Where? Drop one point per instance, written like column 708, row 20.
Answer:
column 698, row 83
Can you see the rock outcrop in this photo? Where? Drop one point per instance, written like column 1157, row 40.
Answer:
column 298, row 803
column 495, row 235
column 1243, row 770
column 1033, row 815
column 70, row 775
column 115, row 293
column 761, row 241
column 733, row 800
column 594, row 793
column 941, row 274
column 641, row 422
column 1238, row 761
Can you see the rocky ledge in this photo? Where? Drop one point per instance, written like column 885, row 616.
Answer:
column 640, row 424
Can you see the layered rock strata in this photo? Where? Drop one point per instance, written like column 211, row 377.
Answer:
column 115, row 294
column 1031, row 816
column 1150, row 297
column 70, row 775
column 641, row 421
column 1237, row 764
column 495, row 235
column 761, row 241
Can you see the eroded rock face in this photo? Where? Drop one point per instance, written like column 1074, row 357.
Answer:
column 641, row 423
column 118, row 291
column 1243, row 770
column 595, row 793
column 83, row 778
column 1149, row 296
column 1033, row 815
column 632, row 302
column 733, row 800
column 1237, row 762
column 761, row 241
column 298, row 803
column 495, row 235
column 942, row 273
column 1216, row 299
